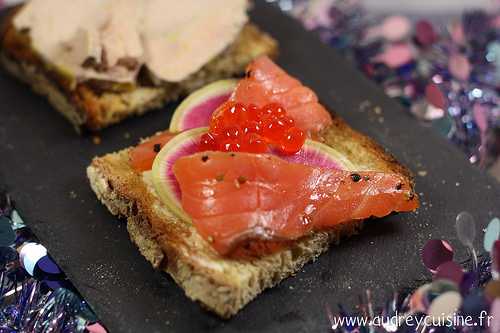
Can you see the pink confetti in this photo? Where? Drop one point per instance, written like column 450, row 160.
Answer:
column 395, row 28
column 459, row 66
column 396, row 55
column 425, row 33
column 495, row 22
column 318, row 14
column 435, row 96
column 433, row 113
column 435, row 253
column 495, row 313
column 495, row 259
column 457, row 33
column 450, row 270
column 95, row 328
column 480, row 116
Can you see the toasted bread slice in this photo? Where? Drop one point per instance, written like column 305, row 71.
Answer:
column 223, row 285
column 93, row 105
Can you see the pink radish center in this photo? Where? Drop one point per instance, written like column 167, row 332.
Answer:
column 199, row 116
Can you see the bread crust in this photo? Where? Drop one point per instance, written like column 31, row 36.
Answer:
column 93, row 105
column 223, row 285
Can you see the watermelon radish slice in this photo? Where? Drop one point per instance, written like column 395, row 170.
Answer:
column 315, row 153
column 164, row 181
column 312, row 153
column 195, row 111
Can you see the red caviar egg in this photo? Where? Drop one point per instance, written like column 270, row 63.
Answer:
column 253, row 143
column 236, row 127
column 252, row 126
column 293, row 140
column 208, row 142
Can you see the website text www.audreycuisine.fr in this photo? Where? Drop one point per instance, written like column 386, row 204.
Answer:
column 420, row 322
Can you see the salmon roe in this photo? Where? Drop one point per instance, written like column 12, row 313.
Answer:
column 235, row 127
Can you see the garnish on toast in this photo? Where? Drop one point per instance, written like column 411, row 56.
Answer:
column 229, row 221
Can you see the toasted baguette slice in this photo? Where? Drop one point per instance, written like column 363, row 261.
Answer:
column 223, row 285
column 93, row 105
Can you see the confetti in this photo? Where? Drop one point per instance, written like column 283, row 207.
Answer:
column 456, row 289
column 435, row 253
column 492, row 233
column 425, row 33
column 466, row 229
column 459, row 66
column 450, row 271
column 445, row 305
column 395, row 28
column 35, row 295
column 492, row 289
column 440, row 75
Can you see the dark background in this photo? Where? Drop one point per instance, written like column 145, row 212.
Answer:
column 43, row 162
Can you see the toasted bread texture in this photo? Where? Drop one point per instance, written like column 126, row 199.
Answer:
column 93, row 105
column 223, row 285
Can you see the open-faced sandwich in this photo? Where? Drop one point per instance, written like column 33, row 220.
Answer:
column 234, row 207
column 100, row 61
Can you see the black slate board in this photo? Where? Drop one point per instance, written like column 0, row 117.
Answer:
column 42, row 162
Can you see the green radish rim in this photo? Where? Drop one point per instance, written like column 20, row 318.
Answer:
column 195, row 111
column 164, row 182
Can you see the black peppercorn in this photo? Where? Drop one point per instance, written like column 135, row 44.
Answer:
column 355, row 177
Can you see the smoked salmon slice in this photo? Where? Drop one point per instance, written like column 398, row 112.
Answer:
column 143, row 155
column 234, row 198
column 267, row 83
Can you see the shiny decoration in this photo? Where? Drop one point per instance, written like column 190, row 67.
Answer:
column 7, row 235
column 95, row 328
column 30, row 254
column 396, row 55
column 495, row 260
column 450, row 271
column 439, row 287
column 459, row 66
column 466, row 231
column 495, row 313
column 468, row 281
column 492, row 234
column 474, row 303
column 458, row 290
column 492, row 289
column 425, row 33
column 35, row 295
column 396, row 28
column 418, row 300
column 445, row 305
column 435, row 96
column 435, row 253
column 446, row 73
column 466, row 228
